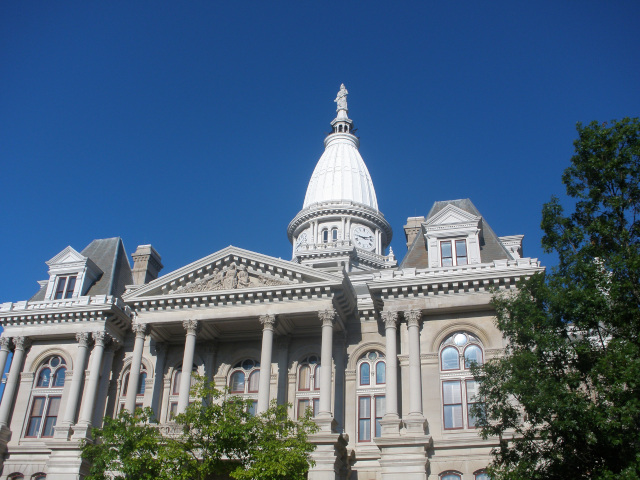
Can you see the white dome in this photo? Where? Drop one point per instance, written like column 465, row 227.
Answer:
column 341, row 174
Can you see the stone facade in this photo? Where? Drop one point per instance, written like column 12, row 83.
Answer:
column 380, row 351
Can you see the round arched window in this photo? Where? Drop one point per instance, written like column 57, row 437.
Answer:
column 52, row 373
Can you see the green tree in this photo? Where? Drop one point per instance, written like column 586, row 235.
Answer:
column 216, row 437
column 126, row 447
column 565, row 399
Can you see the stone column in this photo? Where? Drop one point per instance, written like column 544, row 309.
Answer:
column 140, row 330
column 105, row 381
column 73, row 399
column 328, row 319
column 21, row 343
column 158, row 380
column 415, row 421
column 391, row 421
column 191, row 326
column 91, row 387
column 5, row 343
column 268, row 322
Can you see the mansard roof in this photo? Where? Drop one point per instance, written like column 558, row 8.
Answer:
column 110, row 256
column 490, row 246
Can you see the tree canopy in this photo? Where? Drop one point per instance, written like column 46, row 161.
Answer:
column 216, row 437
column 564, row 400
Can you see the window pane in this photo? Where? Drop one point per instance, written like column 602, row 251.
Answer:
column 71, row 284
column 49, row 424
column 254, row 381
column 43, row 378
column 450, row 359
column 37, row 409
column 461, row 252
column 62, row 281
column 364, row 430
column 450, row 476
column 482, row 476
column 381, row 406
column 364, row 374
column 237, row 382
column 447, row 258
column 59, row 377
column 334, row 234
column 253, row 406
column 472, row 390
column 305, row 374
column 173, row 410
column 472, row 353
column 303, row 404
column 365, row 407
column 451, row 392
column 316, row 406
column 380, row 372
column 142, row 380
column 316, row 378
column 453, row 416
column 176, row 382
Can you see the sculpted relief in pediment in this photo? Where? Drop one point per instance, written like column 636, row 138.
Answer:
column 230, row 277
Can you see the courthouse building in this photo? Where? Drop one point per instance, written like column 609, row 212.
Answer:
column 378, row 347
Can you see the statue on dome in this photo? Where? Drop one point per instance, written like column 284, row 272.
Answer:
column 341, row 99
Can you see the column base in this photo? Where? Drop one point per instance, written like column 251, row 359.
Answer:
column 81, row 431
column 415, row 424
column 326, row 423
column 390, row 425
column 63, row 431
column 330, row 456
column 5, row 436
column 65, row 461
column 404, row 458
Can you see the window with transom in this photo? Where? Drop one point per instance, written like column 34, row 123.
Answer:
column 46, row 397
column 244, row 379
column 370, row 392
column 453, row 252
column 459, row 390
column 308, row 386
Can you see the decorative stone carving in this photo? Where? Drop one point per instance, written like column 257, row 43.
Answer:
column 328, row 317
column 5, row 343
column 101, row 338
column 83, row 339
column 413, row 317
column 140, row 329
column 390, row 319
column 268, row 321
column 341, row 99
column 114, row 345
column 21, row 343
column 231, row 277
column 191, row 326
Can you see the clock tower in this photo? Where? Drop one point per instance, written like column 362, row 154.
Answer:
column 340, row 226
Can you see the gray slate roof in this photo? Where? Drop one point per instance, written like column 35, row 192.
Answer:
column 490, row 247
column 110, row 256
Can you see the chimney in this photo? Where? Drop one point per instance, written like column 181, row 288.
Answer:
column 413, row 228
column 146, row 264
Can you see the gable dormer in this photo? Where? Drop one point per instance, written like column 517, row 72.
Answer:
column 453, row 237
column 70, row 275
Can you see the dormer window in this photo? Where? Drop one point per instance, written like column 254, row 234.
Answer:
column 65, row 287
column 453, row 252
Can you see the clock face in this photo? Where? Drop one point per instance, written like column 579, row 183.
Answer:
column 363, row 237
column 302, row 238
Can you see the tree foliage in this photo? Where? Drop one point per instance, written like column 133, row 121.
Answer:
column 216, row 437
column 565, row 399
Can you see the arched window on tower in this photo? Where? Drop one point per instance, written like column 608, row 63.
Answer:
column 308, row 386
column 458, row 352
column 244, row 379
column 45, row 397
column 370, row 394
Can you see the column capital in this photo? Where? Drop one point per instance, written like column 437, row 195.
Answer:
column 114, row 345
column 390, row 319
column 413, row 317
column 101, row 338
column 328, row 317
column 21, row 343
column 5, row 343
column 83, row 338
column 140, row 329
column 268, row 321
column 191, row 326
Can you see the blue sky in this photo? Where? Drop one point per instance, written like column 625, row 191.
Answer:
column 196, row 125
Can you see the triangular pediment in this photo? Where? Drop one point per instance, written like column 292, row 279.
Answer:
column 68, row 255
column 232, row 269
column 450, row 215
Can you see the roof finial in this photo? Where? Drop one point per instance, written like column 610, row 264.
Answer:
column 341, row 99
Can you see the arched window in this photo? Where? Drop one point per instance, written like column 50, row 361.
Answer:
column 16, row 476
column 244, row 379
column 46, row 396
column 325, row 236
column 334, row 234
column 308, row 391
column 124, row 387
column 370, row 394
column 481, row 475
column 450, row 476
column 459, row 389
column 174, row 391
column 39, row 476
